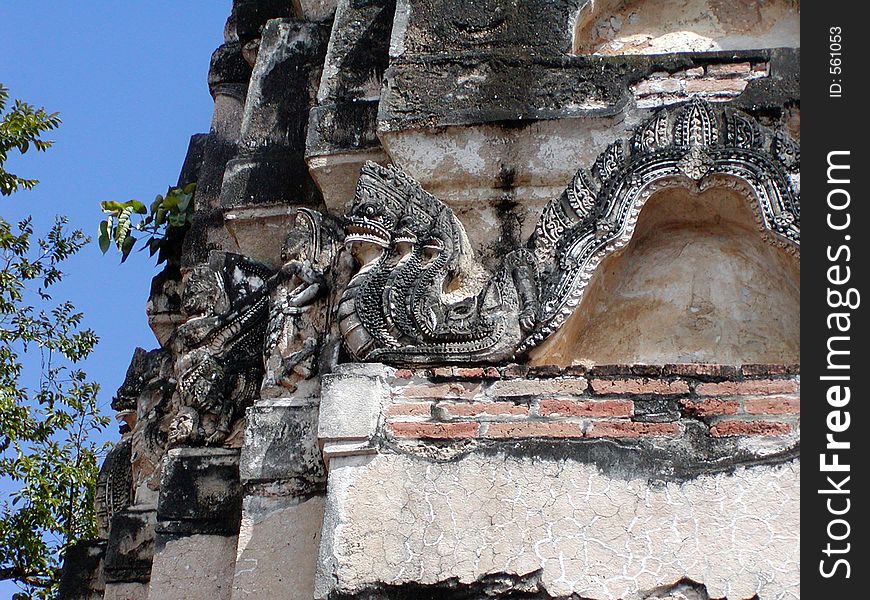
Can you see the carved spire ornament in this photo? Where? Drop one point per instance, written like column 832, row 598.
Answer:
column 420, row 297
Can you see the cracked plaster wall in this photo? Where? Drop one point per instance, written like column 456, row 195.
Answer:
column 396, row 519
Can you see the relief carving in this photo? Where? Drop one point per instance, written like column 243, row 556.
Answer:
column 297, row 303
column 218, row 360
column 146, row 396
column 419, row 296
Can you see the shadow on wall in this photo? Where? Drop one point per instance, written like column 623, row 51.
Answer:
column 698, row 283
column 623, row 27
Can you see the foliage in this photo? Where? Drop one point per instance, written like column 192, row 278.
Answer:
column 20, row 129
column 48, row 458
column 167, row 216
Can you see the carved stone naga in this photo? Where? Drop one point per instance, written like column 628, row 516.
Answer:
column 419, row 297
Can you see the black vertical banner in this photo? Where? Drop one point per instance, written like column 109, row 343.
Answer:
column 834, row 337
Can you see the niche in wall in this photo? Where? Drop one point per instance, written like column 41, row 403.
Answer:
column 697, row 283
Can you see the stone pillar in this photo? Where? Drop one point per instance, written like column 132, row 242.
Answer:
column 350, row 411
column 342, row 131
column 228, row 82
column 270, row 171
column 197, row 525
column 164, row 300
column 82, row 576
column 129, row 554
column 284, row 485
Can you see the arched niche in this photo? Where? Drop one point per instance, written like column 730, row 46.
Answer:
column 675, row 220
column 625, row 27
column 697, row 282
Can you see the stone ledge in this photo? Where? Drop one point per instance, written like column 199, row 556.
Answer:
column 200, row 492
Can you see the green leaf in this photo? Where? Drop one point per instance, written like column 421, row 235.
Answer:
column 127, row 247
column 171, row 201
column 185, row 202
column 112, row 207
column 104, row 238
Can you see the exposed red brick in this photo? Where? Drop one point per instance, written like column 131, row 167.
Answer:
column 639, row 386
column 404, row 373
column 452, row 389
column 754, row 370
column 476, row 409
column 619, row 429
column 664, row 85
column 712, row 85
column 729, row 69
column 639, row 370
column 575, row 371
column 469, row 372
column 647, row 370
column 514, row 370
column 545, row 371
column 491, row 373
column 706, row 408
column 586, row 408
column 731, row 428
column 529, row 429
column 773, row 405
column 444, row 431
column 538, row 387
column 409, row 409
column 749, row 387
column 760, row 70
column 701, row 370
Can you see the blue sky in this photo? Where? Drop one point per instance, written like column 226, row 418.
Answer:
column 129, row 81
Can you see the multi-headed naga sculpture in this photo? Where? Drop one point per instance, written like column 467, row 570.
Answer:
column 419, row 296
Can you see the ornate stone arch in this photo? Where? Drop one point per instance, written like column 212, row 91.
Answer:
column 695, row 145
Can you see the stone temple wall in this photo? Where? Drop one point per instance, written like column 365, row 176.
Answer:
column 491, row 299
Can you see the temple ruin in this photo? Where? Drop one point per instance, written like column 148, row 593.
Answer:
column 491, row 299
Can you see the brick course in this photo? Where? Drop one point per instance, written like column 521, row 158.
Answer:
column 736, row 427
column 620, row 429
column 747, row 387
column 750, row 400
column 773, row 405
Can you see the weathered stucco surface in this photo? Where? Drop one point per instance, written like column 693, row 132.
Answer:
column 396, row 519
column 277, row 549
column 659, row 26
column 196, row 567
